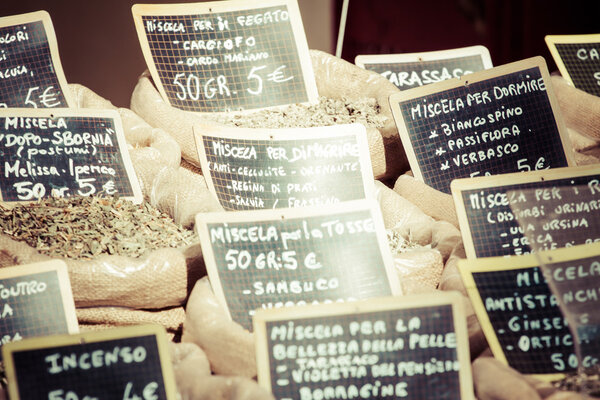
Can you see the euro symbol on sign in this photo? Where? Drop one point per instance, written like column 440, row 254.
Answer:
column 277, row 75
column 109, row 187
column 49, row 98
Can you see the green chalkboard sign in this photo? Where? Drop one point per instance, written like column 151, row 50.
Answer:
column 64, row 152
column 278, row 258
column 414, row 347
column 496, row 121
column 410, row 70
column 31, row 74
column 227, row 55
column 124, row 363
column 36, row 301
column 277, row 168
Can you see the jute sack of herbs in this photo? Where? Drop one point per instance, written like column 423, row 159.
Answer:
column 128, row 264
column 347, row 93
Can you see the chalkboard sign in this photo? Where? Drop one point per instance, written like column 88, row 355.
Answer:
column 411, row 70
column 518, row 314
column 489, row 226
column 31, row 74
column 415, row 347
column 64, row 153
column 277, row 168
column 123, row 363
column 36, row 301
column 490, row 122
column 280, row 258
column 578, row 60
column 227, row 55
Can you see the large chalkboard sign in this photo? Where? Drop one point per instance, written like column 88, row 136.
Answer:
column 31, row 74
column 489, row 226
column 279, row 258
column 64, row 153
column 578, row 59
column 411, row 70
column 518, row 314
column 227, row 55
column 256, row 168
column 36, row 301
column 414, row 348
column 123, row 363
column 490, row 122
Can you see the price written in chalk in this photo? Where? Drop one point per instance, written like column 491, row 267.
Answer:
column 487, row 125
column 64, row 154
column 227, row 55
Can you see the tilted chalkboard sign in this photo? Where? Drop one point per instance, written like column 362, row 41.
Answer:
column 36, row 301
column 578, row 59
column 490, row 122
column 412, row 70
column 276, row 258
column 64, row 152
column 277, row 168
column 413, row 347
column 490, row 228
column 31, row 74
column 122, row 363
column 227, row 55
column 518, row 314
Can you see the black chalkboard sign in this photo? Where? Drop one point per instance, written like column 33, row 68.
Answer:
column 227, row 55
column 255, row 168
column 518, row 314
column 36, row 301
column 490, row 122
column 123, row 363
column 412, row 70
column 64, row 153
column 578, row 59
column 276, row 258
column 489, row 226
column 31, row 74
column 414, row 348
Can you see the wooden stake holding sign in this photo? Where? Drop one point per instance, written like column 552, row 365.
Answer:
column 413, row 347
column 36, row 301
column 490, row 122
column 279, row 168
column 578, row 59
column 276, row 258
column 488, row 223
column 121, row 363
column 411, row 70
column 30, row 69
column 227, row 55
column 64, row 152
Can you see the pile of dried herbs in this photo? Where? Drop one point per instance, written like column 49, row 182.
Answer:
column 84, row 227
column 326, row 112
column 586, row 381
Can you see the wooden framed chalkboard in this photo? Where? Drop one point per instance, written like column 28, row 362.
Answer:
column 64, row 152
column 414, row 347
column 276, row 258
column 411, row 70
column 277, row 168
column 36, row 301
column 489, row 122
column 487, row 222
column 31, row 73
column 121, row 363
column 520, row 318
column 227, row 55
column 578, row 59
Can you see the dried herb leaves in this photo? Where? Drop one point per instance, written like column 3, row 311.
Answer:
column 84, row 227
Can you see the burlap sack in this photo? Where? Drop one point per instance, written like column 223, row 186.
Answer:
column 335, row 78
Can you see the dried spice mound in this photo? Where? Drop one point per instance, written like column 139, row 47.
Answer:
column 326, row 112
column 586, row 381
column 84, row 227
column 398, row 244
